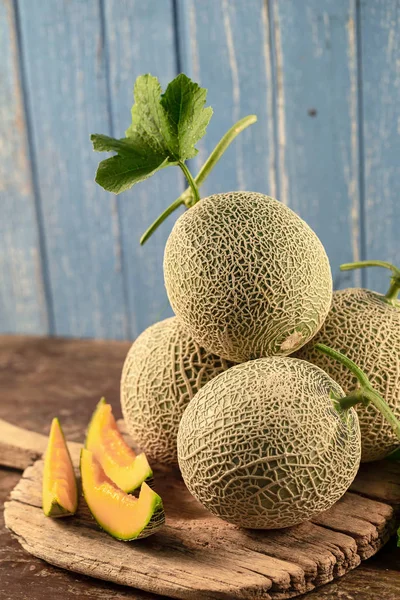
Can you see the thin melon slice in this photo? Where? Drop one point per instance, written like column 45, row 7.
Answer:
column 60, row 492
column 122, row 516
column 121, row 464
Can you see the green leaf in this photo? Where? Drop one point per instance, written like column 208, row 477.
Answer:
column 119, row 173
column 183, row 103
column 163, row 132
column 149, row 122
column 104, row 143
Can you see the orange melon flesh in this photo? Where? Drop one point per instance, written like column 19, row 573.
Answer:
column 120, row 463
column 59, row 493
column 124, row 517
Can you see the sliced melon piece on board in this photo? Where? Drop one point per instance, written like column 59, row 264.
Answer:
column 60, row 492
column 121, row 464
column 122, row 516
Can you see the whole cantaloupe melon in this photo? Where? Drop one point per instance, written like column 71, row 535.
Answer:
column 163, row 370
column 246, row 276
column 366, row 328
column 264, row 446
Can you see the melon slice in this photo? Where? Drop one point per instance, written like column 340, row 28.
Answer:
column 122, row 516
column 121, row 464
column 60, row 492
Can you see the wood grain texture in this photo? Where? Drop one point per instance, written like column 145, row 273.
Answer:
column 225, row 46
column 22, row 298
column 317, row 99
column 140, row 39
column 19, row 447
column 199, row 555
column 364, row 583
column 63, row 53
column 382, row 481
column 380, row 46
column 41, row 378
column 24, row 577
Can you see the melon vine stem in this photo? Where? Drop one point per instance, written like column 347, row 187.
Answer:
column 190, row 180
column 394, row 289
column 189, row 197
column 365, row 394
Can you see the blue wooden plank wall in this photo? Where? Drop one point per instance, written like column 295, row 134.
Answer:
column 23, row 306
column 323, row 76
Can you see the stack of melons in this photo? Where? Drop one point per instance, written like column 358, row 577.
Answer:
column 263, row 440
column 264, row 443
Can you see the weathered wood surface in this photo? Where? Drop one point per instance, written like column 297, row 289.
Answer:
column 322, row 76
column 19, row 447
column 40, row 378
column 25, row 577
column 199, row 555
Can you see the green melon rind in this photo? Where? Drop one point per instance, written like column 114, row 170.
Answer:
column 149, row 478
column 162, row 372
column 246, row 276
column 365, row 327
column 135, row 491
column 57, row 510
column 156, row 519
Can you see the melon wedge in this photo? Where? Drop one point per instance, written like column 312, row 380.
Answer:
column 121, row 464
column 122, row 516
column 60, row 492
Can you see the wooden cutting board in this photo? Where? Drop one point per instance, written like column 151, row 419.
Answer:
column 197, row 556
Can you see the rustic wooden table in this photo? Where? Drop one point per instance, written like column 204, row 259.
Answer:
column 44, row 377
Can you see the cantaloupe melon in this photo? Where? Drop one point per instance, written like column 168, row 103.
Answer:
column 122, row 516
column 121, row 464
column 246, row 276
column 265, row 446
column 163, row 370
column 365, row 327
column 59, row 489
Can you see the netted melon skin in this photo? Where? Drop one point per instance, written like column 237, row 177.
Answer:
column 262, row 445
column 246, row 276
column 365, row 328
column 162, row 372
